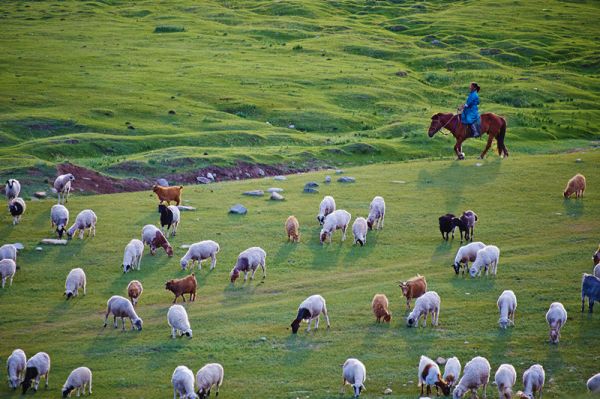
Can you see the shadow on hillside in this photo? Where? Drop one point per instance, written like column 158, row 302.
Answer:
column 300, row 346
column 443, row 248
column 285, row 250
column 573, row 208
column 242, row 291
column 357, row 252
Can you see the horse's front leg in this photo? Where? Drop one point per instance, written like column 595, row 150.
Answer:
column 487, row 146
column 458, row 149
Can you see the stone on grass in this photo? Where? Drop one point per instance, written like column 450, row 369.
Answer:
column 203, row 180
column 312, row 184
column 162, row 182
column 275, row 190
column 346, row 179
column 185, row 246
column 210, row 176
column 310, row 190
column 339, row 172
column 254, row 193
column 40, row 194
column 260, row 172
column 440, row 361
column 38, row 248
column 238, row 209
column 186, row 208
column 53, row 241
column 327, row 179
column 277, row 197
column 387, row 391
column 279, row 178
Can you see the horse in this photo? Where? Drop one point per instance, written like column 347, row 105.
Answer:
column 492, row 124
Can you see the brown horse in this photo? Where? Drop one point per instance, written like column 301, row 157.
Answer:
column 492, row 124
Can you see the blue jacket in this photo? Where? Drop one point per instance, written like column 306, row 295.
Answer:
column 471, row 114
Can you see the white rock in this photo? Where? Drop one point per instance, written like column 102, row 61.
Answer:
column 279, row 178
column 38, row 248
column 53, row 241
column 186, row 208
column 387, row 391
column 277, row 197
column 254, row 193
column 275, row 190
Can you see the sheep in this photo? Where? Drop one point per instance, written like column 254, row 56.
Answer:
column 597, row 270
column 575, row 185
column 310, row 309
column 556, row 318
column 86, row 219
column 380, row 305
column 292, row 229
column 429, row 374
column 590, row 287
column 183, row 383
column 465, row 224
column 505, row 379
column 8, row 251
column 12, row 189
column 354, row 373
column 62, row 185
column 452, row 371
column 59, row 219
column 327, row 206
column 8, row 268
column 170, row 217
column 78, row 379
column 596, row 257
column 132, row 258
column 168, row 194
column 533, row 381
column 376, row 213
column 200, row 251
column 476, row 374
column 17, row 208
column 15, row 368
column 593, row 384
column 447, row 225
column 247, row 260
column 186, row 285
column 487, row 257
column 75, row 280
column 177, row 318
column 154, row 238
column 338, row 219
column 209, row 376
column 507, row 304
column 428, row 303
column 466, row 254
column 413, row 288
column 359, row 230
column 37, row 366
column 134, row 291
column 121, row 307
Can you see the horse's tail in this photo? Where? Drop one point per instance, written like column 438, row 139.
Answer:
column 500, row 139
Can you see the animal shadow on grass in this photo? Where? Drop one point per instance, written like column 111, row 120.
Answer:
column 356, row 251
column 240, row 292
column 443, row 248
column 299, row 347
column 573, row 208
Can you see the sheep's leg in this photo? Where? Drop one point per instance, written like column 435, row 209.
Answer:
column 105, row 320
column 93, row 230
column 264, row 269
column 309, row 321
column 213, row 261
column 326, row 317
column 245, row 276
column 37, row 383
column 81, row 233
column 115, row 322
column 172, row 332
column 591, row 304
column 199, row 261
column 343, row 388
column 422, row 388
column 123, row 323
column 4, row 280
column 317, row 322
column 174, row 393
column 252, row 276
column 582, row 302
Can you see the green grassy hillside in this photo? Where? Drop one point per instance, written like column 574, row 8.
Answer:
column 546, row 244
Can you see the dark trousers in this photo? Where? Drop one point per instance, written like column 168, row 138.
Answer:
column 475, row 129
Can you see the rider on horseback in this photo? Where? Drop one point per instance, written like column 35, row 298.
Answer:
column 469, row 112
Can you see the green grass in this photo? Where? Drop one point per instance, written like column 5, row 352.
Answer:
column 546, row 243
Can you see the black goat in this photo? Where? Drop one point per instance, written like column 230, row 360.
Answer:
column 447, row 225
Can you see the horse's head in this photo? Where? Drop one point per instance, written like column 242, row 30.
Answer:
column 438, row 121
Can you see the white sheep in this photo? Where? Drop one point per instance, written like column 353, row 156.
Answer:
column 15, row 368
column 177, row 318
column 354, row 373
column 376, row 213
column 310, row 309
column 556, row 318
column 505, row 379
column 78, row 379
column 597, row 270
column 476, row 374
column 336, row 220
column 507, row 304
column 452, row 370
column 132, row 258
column 8, row 251
column 209, row 376
column 487, row 257
column 62, row 185
column 86, row 219
column 200, row 251
column 75, row 280
column 428, row 303
column 465, row 254
column 247, row 260
column 121, row 307
column 17, row 208
column 154, row 238
column 12, row 189
column 593, row 384
column 327, row 206
column 183, row 383
column 37, row 366
column 359, row 230
column 533, row 381
column 429, row 374
column 59, row 219
column 8, row 268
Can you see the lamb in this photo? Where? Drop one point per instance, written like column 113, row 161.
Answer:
column 178, row 320
column 354, row 373
column 200, row 251
column 169, row 216
column 86, row 219
column 487, row 257
column 8, row 268
column 505, row 379
column 507, row 304
column 590, row 287
column 376, row 213
column 414, row 287
column 154, row 238
column 209, row 376
column 533, row 381
column 75, row 280
column 17, row 208
column 247, row 260
column 336, row 220
column 593, row 384
column 556, row 318
column 37, row 366
column 452, row 371
column 12, row 189
column 132, row 258
column 476, row 374
column 186, row 285
column 575, row 185
column 597, row 270
column 428, row 303
column 78, row 379
column 327, row 206
column 183, row 383
column 292, row 229
column 168, row 194
column 447, row 225
column 466, row 254
column 62, row 185
column 8, row 251
column 310, row 309
column 121, row 307
column 134, row 291
column 59, row 219
column 359, row 230
column 429, row 374
column 15, row 368
column 380, row 305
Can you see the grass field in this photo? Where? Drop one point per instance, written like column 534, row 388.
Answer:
column 546, row 243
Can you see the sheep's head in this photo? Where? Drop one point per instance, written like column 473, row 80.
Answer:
column 162, row 207
column 444, row 387
column 412, row 320
column 459, row 392
column 234, row 275
column 66, row 391
column 60, row 230
column 554, row 336
column 523, row 395
column 168, row 249
column 13, row 382
column 183, row 264
column 188, row 333
column 202, row 394
column 388, row 317
column 359, row 241
column 370, row 223
column 358, row 389
column 169, row 285
column 138, row 324
column 456, row 267
column 295, row 326
column 503, row 322
column 71, row 177
column 320, row 219
column 566, row 194
column 323, row 236
column 473, row 271
column 126, row 268
column 68, row 294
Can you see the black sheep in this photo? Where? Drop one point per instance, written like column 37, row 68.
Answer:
column 447, row 225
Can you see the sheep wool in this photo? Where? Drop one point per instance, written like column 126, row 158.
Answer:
column 376, row 213
column 209, row 376
column 354, row 373
column 78, row 380
column 132, row 258
column 326, row 207
column 37, row 366
column 507, row 305
column 183, row 383
column 178, row 321
column 337, row 220
column 505, row 379
column 200, row 251
column 86, row 219
column 476, row 374
column 121, row 307
column 75, row 280
column 428, row 303
column 15, row 368
column 8, row 268
column 359, row 230
column 59, row 218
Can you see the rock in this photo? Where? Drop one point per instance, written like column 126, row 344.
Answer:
column 260, row 172
column 186, row 208
column 254, row 193
column 398, row 181
column 339, row 171
column 310, row 190
column 185, row 246
column 387, row 391
column 275, row 190
column 402, row 74
column 53, row 241
column 346, row 179
column 436, row 42
column 327, row 179
column 277, row 197
column 203, row 180
column 40, row 194
column 238, row 209
column 19, row 246
column 440, row 361
column 397, row 28
column 131, row 127
column 172, row 112
column 248, row 175
column 210, row 176
column 279, row 178
column 38, row 248
column 162, row 182
column 291, row 126
column 263, row 338
column 311, row 184
column 478, row 164
column 578, row 160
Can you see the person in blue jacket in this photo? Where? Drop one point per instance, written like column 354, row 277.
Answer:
column 470, row 113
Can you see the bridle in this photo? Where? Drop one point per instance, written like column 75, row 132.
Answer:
column 446, row 124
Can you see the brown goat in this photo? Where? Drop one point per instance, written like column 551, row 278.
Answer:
column 168, row 194
column 413, row 288
column 180, row 286
column 575, row 185
column 292, row 228
column 134, row 290
column 380, row 306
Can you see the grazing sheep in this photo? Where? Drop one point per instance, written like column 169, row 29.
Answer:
column 590, row 287
column 488, row 258
column 121, row 307
column 78, row 379
column 247, row 260
column 75, row 280
column 428, row 303
column 134, row 291
column 292, row 229
column 429, row 374
column 466, row 224
column 311, row 309
column 209, row 376
column 327, row 206
column 354, row 373
column 376, row 213
column 169, row 216
column 8, row 251
column 12, row 189
column 86, row 219
column 593, row 384
column 177, row 318
column 533, row 381
column 17, row 208
column 62, row 185
column 359, row 230
column 466, row 254
column 447, row 225
column 8, row 268
column 154, row 238
column 380, row 305
column 168, row 194
column 507, row 304
column 597, row 270
column 452, row 371
column 576, row 185
column 413, row 288
column 505, row 379
column 476, row 374
column 183, row 383
column 556, row 318
column 15, row 368
column 200, row 251
column 59, row 219
column 132, row 258
column 37, row 366
column 596, row 257
column 336, row 220
column 186, row 285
